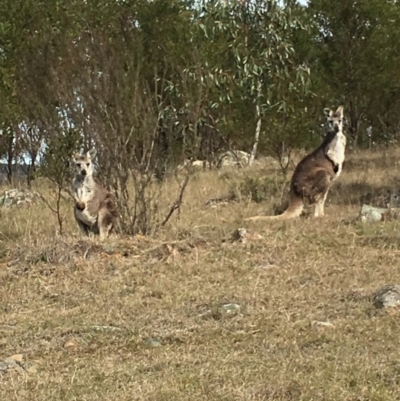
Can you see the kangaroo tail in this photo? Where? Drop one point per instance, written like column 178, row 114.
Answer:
column 294, row 210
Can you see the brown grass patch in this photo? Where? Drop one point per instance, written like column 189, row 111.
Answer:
column 81, row 312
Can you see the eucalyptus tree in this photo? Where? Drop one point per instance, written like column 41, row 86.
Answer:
column 355, row 53
column 256, row 61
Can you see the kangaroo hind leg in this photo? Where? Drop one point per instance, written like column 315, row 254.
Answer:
column 320, row 191
column 105, row 224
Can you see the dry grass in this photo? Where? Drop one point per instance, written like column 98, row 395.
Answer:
column 80, row 311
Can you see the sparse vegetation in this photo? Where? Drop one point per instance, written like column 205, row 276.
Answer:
column 187, row 302
column 142, row 318
column 260, row 189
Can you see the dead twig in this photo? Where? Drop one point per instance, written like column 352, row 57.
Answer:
column 57, row 196
column 177, row 204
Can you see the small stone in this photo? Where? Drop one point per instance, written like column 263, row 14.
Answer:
column 230, row 308
column 206, row 314
column 71, row 344
column 321, row 325
column 387, row 296
column 152, row 342
column 3, row 366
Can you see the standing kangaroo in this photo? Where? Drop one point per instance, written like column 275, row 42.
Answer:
column 315, row 174
column 95, row 208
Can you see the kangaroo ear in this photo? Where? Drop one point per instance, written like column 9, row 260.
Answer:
column 328, row 112
column 92, row 153
column 339, row 111
column 74, row 157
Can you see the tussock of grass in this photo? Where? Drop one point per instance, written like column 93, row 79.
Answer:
column 80, row 311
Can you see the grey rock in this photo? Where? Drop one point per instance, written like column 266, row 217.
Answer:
column 3, row 366
column 152, row 342
column 19, row 198
column 387, row 296
column 12, row 364
column 230, row 308
column 233, row 158
column 195, row 164
column 370, row 213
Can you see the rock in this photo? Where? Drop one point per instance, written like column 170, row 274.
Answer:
column 387, row 296
column 152, row 342
column 230, row 308
column 196, row 164
column 233, row 158
column 71, row 344
column 217, row 311
column 13, row 362
column 3, row 366
column 321, row 325
column 19, row 198
column 371, row 213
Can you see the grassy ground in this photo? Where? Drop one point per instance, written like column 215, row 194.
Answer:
column 144, row 318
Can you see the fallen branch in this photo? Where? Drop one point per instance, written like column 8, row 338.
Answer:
column 177, row 204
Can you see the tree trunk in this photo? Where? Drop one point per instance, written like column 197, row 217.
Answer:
column 256, row 137
column 10, row 157
column 354, row 125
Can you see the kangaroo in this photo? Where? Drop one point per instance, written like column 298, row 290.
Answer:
column 95, row 208
column 315, row 174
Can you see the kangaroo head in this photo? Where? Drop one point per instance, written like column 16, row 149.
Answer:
column 334, row 120
column 83, row 163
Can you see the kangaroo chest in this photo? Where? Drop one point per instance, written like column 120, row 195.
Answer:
column 83, row 190
column 84, row 193
column 336, row 153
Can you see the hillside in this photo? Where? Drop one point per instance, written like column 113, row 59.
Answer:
column 190, row 314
